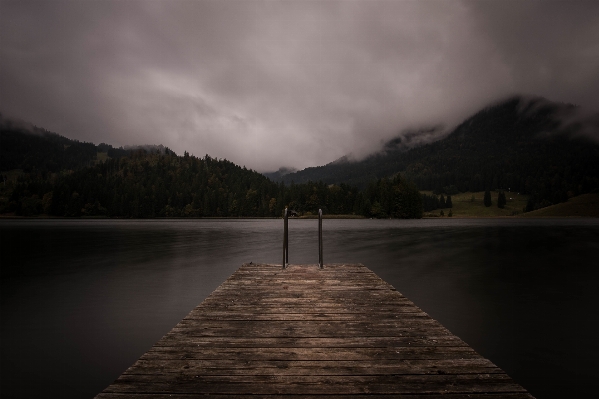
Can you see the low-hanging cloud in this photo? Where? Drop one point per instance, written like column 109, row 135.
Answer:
column 269, row 84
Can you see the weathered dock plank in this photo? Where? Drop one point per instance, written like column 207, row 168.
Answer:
column 335, row 332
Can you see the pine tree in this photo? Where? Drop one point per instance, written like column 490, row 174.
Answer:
column 487, row 200
column 448, row 203
column 442, row 201
column 501, row 200
column 530, row 205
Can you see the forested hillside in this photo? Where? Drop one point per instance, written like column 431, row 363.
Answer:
column 32, row 149
column 103, row 181
column 518, row 145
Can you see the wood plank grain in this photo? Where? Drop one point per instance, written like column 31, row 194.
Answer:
column 367, row 355
column 339, row 332
column 312, row 367
column 314, row 384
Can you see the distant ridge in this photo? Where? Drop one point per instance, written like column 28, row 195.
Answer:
column 526, row 144
column 27, row 147
column 278, row 175
column 361, row 173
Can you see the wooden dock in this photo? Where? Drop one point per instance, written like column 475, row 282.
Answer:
column 337, row 332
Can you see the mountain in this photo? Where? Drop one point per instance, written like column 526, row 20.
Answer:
column 528, row 145
column 361, row 173
column 278, row 175
column 29, row 148
column 43, row 173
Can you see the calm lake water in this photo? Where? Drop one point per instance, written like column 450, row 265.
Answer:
column 81, row 300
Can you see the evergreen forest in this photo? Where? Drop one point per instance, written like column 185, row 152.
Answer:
column 46, row 174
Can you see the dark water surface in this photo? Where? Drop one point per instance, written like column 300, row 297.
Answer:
column 81, row 300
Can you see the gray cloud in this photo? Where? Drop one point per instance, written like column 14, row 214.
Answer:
column 549, row 47
column 269, row 84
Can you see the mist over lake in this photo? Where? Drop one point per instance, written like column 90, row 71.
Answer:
column 81, row 300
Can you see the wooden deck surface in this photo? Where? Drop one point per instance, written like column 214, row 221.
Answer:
column 308, row 332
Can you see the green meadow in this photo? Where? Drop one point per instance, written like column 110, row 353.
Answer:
column 470, row 204
column 585, row 205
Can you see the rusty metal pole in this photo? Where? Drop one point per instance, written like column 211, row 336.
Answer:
column 285, row 239
column 320, row 260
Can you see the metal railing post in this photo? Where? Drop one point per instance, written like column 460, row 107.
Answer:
column 285, row 239
column 320, row 260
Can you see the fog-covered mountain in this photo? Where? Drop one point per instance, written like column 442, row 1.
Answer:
column 530, row 145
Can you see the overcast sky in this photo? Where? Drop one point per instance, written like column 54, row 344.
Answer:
column 267, row 84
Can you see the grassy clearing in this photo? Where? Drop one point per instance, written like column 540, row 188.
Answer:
column 102, row 157
column 464, row 206
column 586, row 205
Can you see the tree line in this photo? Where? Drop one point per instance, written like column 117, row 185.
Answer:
column 148, row 184
column 432, row 202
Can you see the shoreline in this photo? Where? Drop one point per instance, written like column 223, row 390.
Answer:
column 311, row 217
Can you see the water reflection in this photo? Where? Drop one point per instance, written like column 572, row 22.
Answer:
column 86, row 298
